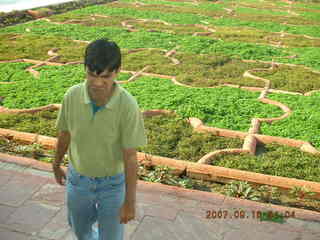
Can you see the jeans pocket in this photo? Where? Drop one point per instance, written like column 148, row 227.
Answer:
column 73, row 178
column 117, row 181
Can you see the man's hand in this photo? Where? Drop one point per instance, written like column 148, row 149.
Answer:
column 60, row 175
column 127, row 212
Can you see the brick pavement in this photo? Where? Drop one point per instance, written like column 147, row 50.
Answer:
column 32, row 208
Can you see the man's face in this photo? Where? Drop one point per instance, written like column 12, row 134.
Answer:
column 100, row 84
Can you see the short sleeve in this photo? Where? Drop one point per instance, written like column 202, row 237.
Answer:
column 61, row 123
column 132, row 130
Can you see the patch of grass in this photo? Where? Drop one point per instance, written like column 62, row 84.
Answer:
column 303, row 123
column 307, row 56
column 292, row 41
column 277, row 19
column 220, row 108
column 140, row 39
column 203, row 9
column 206, row 70
column 223, row 107
column 195, row 70
column 168, row 136
column 275, row 160
column 42, row 123
column 49, row 88
column 261, row 11
column 9, row 72
column 35, row 46
column 154, row 58
column 294, row 79
column 171, row 136
column 267, row 25
column 89, row 20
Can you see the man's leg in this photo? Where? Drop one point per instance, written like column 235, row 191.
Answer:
column 81, row 207
column 110, row 199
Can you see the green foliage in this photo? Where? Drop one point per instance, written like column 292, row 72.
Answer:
column 222, row 107
column 311, row 30
column 289, row 79
column 241, row 189
column 143, row 39
column 304, row 121
column 161, row 174
column 171, row 136
column 276, row 160
column 14, row 71
column 301, row 192
column 269, row 194
column 42, row 123
column 32, row 46
column 35, row 151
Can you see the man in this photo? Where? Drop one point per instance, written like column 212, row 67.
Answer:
column 100, row 125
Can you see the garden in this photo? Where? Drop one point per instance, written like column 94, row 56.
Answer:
column 229, row 90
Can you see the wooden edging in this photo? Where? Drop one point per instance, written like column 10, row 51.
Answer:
column 193, row 170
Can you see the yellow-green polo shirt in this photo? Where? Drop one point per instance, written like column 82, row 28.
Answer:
column 97, row 140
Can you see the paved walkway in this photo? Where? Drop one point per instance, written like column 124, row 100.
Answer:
column 32, row 208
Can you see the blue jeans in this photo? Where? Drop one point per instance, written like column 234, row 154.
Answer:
column 95, row 200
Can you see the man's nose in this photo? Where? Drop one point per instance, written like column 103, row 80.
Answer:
column 98, row 82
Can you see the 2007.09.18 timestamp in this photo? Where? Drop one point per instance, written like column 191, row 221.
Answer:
column 241, row 214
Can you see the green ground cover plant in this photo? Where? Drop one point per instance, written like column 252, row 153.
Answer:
column 280, row 75
column 230, row 34
column 117, row 10
column 13, row 72
column 202, row 70
column 90, row 20
column 303, row 123
column 223, row 107
column 309, row 5
column 42, row 123
column 276, row 160
column 306, row 56
column 219, row 109
column 172, row 136
column 31, row 46
column 189, row 15
column 203, row 5
column 193, row 44
column 48, row 88
column 248, row 10
column 311, row 30
column 168, row 136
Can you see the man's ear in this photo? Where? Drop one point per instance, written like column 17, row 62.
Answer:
column 118, row 70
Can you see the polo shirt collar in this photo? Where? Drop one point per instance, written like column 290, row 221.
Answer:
column 112, row 100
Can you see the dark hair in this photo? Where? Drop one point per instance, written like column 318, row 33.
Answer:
column 102, row 54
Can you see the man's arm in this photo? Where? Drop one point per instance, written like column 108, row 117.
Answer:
column 61, row 149
column 131, row 168
column 127, row 211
